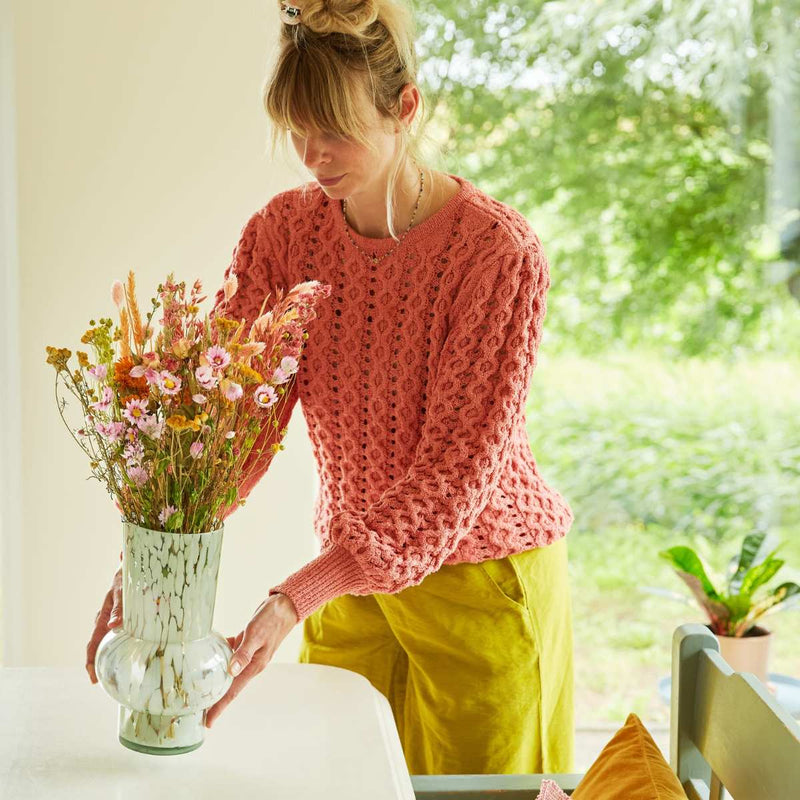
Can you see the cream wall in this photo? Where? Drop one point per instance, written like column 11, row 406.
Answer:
column 141, row 143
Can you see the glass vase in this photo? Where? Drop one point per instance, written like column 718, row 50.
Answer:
column 164, row 665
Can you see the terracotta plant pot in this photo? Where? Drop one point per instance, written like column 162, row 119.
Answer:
column 748, row 653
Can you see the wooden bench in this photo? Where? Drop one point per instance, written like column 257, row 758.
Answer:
column 726, row 730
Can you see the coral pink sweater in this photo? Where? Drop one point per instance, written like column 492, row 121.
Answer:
column 413, row 384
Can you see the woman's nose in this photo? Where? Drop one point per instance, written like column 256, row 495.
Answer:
column 315, row 153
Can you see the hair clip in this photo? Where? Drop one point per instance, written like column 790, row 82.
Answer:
column 290, row 14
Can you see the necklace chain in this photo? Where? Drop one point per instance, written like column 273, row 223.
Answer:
column 375, row 259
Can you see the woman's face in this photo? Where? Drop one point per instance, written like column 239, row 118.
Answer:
column 362, row 170
column 327, row 156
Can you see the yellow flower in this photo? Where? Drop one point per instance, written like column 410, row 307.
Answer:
column 179, row 423
column 83, row 358
column 226, row 325
column 198, row 422
column 58, row 357
column 246, row 374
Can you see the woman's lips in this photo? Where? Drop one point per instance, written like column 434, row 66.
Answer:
column 331, row 181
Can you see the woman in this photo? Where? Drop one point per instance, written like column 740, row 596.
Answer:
column 442, row 576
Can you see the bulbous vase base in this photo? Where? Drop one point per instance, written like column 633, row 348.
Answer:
column 167, row 735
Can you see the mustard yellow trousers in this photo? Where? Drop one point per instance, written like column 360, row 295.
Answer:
column 475, row 661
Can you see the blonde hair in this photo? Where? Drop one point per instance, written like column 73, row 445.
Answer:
column 371, row 42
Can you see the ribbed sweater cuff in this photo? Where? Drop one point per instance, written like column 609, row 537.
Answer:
column 332, row 573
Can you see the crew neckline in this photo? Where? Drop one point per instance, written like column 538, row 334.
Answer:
column 438, row 221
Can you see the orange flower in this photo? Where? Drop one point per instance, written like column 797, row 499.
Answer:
column 126, row 384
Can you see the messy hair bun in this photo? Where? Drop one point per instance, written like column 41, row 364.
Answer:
column 350, row 17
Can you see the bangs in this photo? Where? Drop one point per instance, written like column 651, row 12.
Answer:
column 307, row 95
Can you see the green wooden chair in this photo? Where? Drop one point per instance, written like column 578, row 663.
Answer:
column 726, row 732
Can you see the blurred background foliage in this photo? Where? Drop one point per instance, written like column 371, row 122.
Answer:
column 639, row 138
column 655, row 148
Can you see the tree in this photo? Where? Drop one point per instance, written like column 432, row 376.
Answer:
column 635, row 137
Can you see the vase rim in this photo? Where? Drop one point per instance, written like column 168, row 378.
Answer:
column 172, row 533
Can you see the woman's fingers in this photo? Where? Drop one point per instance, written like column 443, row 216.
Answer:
column 100, row 629
column 239, row 682
column 253, row 649
column 104, row 620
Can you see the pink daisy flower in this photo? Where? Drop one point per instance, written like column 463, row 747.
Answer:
column 196, row 449
column 265, row 396
column 169, row 383
column 285, row 370
column 205, row 377
column 200, row 399
column 135, row 409
column 289, row 364
column 217, row 357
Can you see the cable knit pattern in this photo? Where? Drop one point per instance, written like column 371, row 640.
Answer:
column 413, row 384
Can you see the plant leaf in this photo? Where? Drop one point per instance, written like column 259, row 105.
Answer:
column 759, row 575
column 785, row 592
column 685, row 560
column 717, row 611
column 754, row 550
column 782, row 594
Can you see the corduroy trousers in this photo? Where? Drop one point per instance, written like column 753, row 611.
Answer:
column 475, row 661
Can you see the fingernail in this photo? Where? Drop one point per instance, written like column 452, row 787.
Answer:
column 235, row 668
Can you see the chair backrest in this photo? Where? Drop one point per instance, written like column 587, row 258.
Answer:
column 726, row 729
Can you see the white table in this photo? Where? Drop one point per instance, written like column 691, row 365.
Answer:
column 296, row 731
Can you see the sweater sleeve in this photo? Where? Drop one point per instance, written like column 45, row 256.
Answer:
column 258, row 263
column 477, row 396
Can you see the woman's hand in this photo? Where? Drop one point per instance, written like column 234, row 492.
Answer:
column 109, row 616
column 255, row 646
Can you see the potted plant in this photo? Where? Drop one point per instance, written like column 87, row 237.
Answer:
column 735, row 611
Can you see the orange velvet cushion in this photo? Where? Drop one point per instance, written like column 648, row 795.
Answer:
column 632, row 767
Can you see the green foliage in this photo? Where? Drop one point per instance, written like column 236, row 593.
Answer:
column 634, row 137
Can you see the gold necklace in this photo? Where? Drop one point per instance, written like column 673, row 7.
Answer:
column 376, row 259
